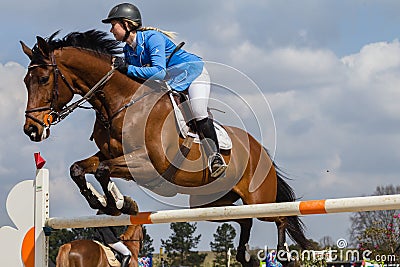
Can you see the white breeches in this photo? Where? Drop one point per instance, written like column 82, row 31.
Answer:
column 199, row 92
column 121, row 248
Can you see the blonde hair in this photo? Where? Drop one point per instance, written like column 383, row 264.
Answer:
column 136, row 26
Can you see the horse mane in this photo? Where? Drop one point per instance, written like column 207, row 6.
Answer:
column 93, row 40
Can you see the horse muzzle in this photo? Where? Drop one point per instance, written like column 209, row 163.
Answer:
column 36, row 133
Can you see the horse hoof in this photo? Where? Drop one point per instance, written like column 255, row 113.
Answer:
column 110, row 211
column 245, row 260
column 95, row 206
column 252, row 263
column 130, row 207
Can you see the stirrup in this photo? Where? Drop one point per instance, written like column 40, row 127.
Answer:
column 221, row 169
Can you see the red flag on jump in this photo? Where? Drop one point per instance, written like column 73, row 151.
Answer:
column 39, row 160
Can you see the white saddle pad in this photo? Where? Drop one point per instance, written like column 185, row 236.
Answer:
column 224, row 140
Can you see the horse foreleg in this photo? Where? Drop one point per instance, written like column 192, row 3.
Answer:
column 77, row 173
column 116, row 202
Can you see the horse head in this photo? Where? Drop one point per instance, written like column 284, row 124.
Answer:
column 46, row 96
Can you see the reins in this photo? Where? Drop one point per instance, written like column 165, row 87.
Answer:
column 78, row 104
column 131, row 240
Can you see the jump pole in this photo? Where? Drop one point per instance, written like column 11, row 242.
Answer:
column 354, row 204
column 309, row 207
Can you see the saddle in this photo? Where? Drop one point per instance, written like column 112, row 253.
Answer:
column 184, row 121
column 187, row 129
column 112, row 259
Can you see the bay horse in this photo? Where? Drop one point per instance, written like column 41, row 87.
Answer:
column 87, row 253
column 137, row 136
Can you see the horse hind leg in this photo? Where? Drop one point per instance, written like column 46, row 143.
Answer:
column 62, row 259
column 281, row 225
column 243, row 253
column 245, row 229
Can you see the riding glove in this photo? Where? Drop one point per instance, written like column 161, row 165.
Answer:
column 121, row 65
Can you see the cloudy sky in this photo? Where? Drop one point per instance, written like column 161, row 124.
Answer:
column 329, row 70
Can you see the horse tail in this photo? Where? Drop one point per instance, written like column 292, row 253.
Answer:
column 295, row 227
column 62, row 259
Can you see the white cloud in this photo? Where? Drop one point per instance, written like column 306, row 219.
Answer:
column 374, row 59
column 12, row 92
column 374, row 72
column 348, row 124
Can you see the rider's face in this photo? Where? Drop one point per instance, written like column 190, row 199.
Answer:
column 117, row 30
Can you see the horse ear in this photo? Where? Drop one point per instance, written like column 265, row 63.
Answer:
column 26, row 50
column 43, row 46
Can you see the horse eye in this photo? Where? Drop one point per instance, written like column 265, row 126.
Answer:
column 43, row 80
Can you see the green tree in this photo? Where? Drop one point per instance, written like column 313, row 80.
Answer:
column 58, row 238
column 223, row 241
column 147, row 245
column 180, row 244
column 377, row 231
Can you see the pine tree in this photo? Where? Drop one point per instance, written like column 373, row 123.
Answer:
column 147, row 245
column 180, row 244
column 223, row 241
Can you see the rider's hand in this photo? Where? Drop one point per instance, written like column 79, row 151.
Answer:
column 120, row 64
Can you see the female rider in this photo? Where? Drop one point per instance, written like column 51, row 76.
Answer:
column 146, row 52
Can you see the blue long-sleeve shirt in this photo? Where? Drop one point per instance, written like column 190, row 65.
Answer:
column 148, row 60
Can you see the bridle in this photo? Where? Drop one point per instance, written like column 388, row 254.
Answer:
column 54, row 117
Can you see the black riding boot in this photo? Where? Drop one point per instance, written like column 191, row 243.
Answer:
column 125, row 260
column 209, row 140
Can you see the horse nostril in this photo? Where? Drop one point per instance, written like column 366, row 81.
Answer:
column 31, row 131
column 28, row 130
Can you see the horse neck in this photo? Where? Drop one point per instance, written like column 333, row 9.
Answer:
column 134, row 232
column 85, row 69
column 135, row 236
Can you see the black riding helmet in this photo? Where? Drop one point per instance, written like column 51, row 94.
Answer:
column 124, row 11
